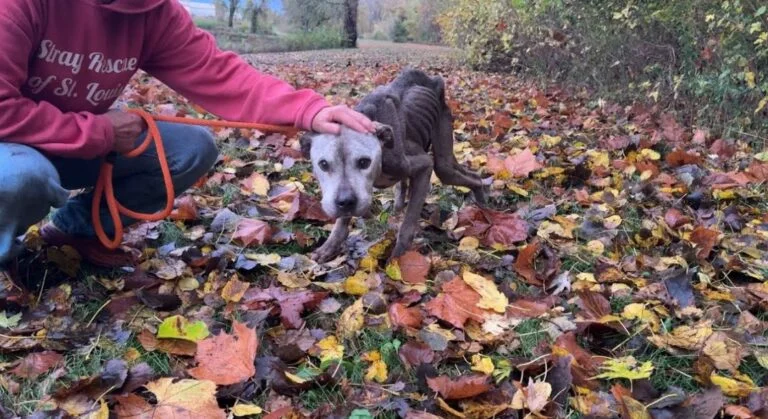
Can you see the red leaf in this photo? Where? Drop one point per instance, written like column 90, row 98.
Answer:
column 414, row 267
column 186, row 209
column 414, row 354
column 403, row 316
column 672, row 131
column 493, row 227
column 675, row 218
column 227, row 359
column 459, row 388
column 679, row 158
column 250, row 231
column 537, row 264
column 522, row 164
column 456, row 304
column 705, row 239
column 36, row 364
column 292, row 303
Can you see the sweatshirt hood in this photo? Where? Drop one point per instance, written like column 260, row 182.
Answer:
column 130, row 6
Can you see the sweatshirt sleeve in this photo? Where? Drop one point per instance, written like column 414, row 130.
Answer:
column 188, row 60
column 40, row 125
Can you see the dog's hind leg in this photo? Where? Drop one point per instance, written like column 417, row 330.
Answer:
column 447, row 169
column 332, row 247
column 401, row 192
column 418, row 185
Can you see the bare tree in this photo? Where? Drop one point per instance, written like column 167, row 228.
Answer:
column 350, row 24
column 233, row 4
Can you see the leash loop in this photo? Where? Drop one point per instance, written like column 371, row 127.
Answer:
column 104, row 189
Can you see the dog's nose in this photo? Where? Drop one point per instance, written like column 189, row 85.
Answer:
column 346, row 203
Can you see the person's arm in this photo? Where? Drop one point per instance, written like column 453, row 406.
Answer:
column 40, row 125
column 188, row 60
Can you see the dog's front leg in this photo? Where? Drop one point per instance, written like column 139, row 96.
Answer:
column 418, row 188
column 332, row 247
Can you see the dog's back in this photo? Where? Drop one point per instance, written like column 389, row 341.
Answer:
column 412, row 105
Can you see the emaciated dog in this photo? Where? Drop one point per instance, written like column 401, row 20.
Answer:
column 412, row 120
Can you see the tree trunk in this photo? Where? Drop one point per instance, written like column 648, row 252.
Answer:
column 232, row 10
column 350, row 24
column 255, row 19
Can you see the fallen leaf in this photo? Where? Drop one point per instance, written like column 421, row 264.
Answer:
column 638, row 311
column 725, row 352
column 227, row 359
column 534, row 397
column 351, row 320
column 330, row 349
column 178, row 327
column 234, row 289
column 482, row 364
column 414, row 354
column 705, row 240
column 414, row 267
column 186, row 209
column 402, row 316
column 36, row 364
column 292, row 303
column 522, row 164
column 459, row 388
column 456, row 304
column 255, row 184
column 626, row 367
column 184, row 399
column 182, row 347
column 377, row 371
column 732, row 387
column 246, row 410
column 490, row 297
column 250, row 231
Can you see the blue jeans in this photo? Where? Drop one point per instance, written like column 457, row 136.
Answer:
column 31, row 183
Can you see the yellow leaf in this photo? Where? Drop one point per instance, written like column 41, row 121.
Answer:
column 626, row 367
column 482, row 364
column 131, row 354
column 685, row 337
column 637, row 311
column 534, row 397
column 377, row 371
column 295, row 378
column 732, row 387
column 264, row 259
column 355, row 284
column 763, row 157
column 393, row 270
column 612, row 222
column 749, row 77
column 763, row 103
column 490, row 297
column 292, row 280
column 257, row 184
column 351, row 320
column 234, row 289
column 725, row 352
column 246, row 410
column 189, row 283
column 330, row 349
column 650, row 154
column 596, row 247
column 468, row 244
column 762, row 358
column 724, row 195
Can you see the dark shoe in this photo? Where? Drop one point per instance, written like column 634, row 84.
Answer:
column 90, row 249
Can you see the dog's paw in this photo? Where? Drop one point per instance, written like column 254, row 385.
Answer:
column 480, row 196
column 325, row 254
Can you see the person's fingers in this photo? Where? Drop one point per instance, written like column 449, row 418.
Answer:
column 352, row 119
column 328, row 128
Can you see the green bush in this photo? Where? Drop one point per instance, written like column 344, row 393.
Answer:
column 321, row 38
column 707, row 59
column 399, row 31
column 206, row 23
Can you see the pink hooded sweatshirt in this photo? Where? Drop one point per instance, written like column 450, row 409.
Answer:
column 65, row 62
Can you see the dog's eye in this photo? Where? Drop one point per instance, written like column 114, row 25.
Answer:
column 324, row 166
column 364, row 163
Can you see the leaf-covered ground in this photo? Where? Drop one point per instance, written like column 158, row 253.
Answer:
column 620, row 271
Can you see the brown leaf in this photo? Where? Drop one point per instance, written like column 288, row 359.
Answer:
column 726, row 353
column 182, row 347
column 234, row 289
column 705, row 240
column 292, row 303
column 184, row 399
column 227, row 359
column 672, row 131
column 402, row 316
column 414, row 267
column 492, row 227
column 186, row 209
column 679, row 158
column 593, row 305
column 459, row 388
column 414, row 354
column 675, row 218
column 456, row 304
column 537, row 264
column 36, row 364
column 250, row 231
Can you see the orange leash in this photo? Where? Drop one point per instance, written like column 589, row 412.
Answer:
column 104, row 188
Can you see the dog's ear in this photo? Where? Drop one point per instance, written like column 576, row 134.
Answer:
column 306, row 144
column 385, row 134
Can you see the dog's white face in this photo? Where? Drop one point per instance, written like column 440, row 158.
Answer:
column 345, row 166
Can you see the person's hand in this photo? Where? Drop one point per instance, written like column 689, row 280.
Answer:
column 127, row 127
column 329, row 120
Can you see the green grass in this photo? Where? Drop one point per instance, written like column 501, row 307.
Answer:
column 531, row 335
column 171, row 233
column 671, row 370
column 618, row 303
